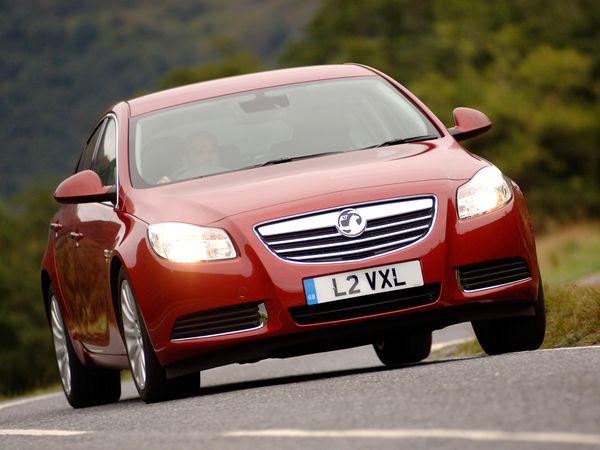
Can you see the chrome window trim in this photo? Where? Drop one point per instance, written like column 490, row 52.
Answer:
column 117, row 184
column 335, row 210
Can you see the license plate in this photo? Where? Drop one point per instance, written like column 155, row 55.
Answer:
column 357, row 283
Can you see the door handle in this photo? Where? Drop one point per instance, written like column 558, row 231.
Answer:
column 75, row 236
column 56, row 227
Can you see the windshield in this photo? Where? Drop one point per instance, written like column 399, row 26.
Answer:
column 269, row 126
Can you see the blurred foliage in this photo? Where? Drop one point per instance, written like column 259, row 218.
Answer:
column 568, row 254
column 25, row 340
column 65, row 61
column 236, row 63
column 536, row 75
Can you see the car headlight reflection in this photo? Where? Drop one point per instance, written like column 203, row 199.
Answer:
column 186, row 243
column 487, row 191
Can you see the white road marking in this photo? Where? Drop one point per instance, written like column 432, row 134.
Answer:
column 55, row 433
column 27, row 400
column 582, row 347
column 445, row 344
column 471, row 435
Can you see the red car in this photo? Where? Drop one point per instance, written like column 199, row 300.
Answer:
column 278, row 214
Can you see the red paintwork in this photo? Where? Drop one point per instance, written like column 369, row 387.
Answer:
column 83, row 184
column 469, row 122
column 237, row 202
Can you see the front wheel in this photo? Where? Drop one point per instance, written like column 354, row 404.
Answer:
column 83, row 386
column 148, row 375
column 513, row 334
column 404, row 349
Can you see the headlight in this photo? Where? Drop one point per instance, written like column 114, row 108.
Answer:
column 186, row 243
column 487, row 191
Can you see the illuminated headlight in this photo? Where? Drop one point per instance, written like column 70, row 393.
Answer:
column 487, row 191
column 186, row 243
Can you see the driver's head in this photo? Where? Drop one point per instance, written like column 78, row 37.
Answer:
column 201, row 147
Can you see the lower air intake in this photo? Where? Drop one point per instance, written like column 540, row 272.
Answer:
column 233, row 319
column 493, row 274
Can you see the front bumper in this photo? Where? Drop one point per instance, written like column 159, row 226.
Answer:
column 166, row 291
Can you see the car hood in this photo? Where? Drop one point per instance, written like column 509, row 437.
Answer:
column 213, row 198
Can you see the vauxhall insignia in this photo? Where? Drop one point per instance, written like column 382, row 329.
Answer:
column 350, row 223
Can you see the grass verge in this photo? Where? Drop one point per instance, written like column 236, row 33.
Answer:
column 566, row 255
column 573, row 315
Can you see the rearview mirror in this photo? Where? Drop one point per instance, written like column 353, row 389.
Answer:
column 84, row 187
column 469, row 122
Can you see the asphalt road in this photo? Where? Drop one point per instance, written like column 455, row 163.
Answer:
column 533, row 400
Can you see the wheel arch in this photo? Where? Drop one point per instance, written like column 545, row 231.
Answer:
column 46, row 281
column 115, row 268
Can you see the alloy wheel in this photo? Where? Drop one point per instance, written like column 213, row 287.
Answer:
column 132, row 332
column 60, row 344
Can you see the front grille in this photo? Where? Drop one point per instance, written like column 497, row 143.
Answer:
column 219, row 321
column 314, row 238
column 493, row 274
column 366, row 305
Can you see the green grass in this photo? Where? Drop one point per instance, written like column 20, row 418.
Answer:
column 572, row 311
column 573, row 316
column 55, row 388
column 570, row 253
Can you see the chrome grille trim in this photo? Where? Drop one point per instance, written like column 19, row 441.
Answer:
column 313, row 238
column 353, row 241
column 325, row 219
column 353, row 252
column 304, row 239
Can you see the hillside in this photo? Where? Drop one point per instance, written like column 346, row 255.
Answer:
column 65, row 61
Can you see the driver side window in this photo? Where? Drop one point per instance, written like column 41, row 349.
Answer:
column 105, row 161
column 85, row 162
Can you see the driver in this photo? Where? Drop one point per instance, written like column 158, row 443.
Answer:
column 201, row 148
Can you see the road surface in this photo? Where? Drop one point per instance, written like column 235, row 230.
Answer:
column 547, row 399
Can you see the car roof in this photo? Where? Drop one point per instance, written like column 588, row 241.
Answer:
column 242, row 83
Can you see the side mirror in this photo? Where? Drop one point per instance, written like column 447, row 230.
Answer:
column 469, row 122
column 84, row 187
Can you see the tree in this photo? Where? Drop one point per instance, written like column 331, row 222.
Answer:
column 25, row 340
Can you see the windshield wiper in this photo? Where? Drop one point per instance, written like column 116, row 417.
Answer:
column 287, row 159
column 398, row 141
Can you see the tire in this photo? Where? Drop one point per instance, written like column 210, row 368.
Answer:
column 404, row 349
column 83, row 386
column 148, row 375
column 513, row 334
